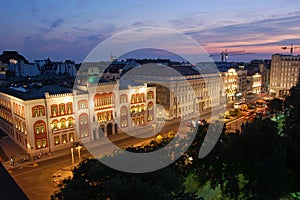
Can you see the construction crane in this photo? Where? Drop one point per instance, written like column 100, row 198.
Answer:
column 225, row 54
column 290, row 48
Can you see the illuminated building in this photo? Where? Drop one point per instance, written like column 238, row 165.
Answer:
column 256, row 81
column 230, row 78
column 284, row 74
column 180, row 89
column 50, row 117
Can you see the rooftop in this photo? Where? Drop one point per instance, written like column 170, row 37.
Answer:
column 34, row 92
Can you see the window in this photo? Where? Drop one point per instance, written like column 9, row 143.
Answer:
column 37, row 129
column 133, row 98
column 63, row 123
column 150, row 95
column 61, row 109
column 56, row 140
column 84, row 133
column 41, row 111
column 71, row 137
column 69, row 108
column 82, row 104
column 55, row 125
column 83, row 120
column 39, row 144
column 36, row 111
column 64, row 138
column 142, row 97
column 70, row 122
column 44, row 143
column 123, row 98
column 53, row 110
column 42, row 128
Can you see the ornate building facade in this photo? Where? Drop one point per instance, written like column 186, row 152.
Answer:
column 49, row 118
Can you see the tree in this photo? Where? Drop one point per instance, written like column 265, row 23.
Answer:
column 275, row 105
column 94, row 180
column 292, row 133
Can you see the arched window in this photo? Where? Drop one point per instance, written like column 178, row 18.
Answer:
column 69, row 108
column 39, row 127
column 70, row 122
column 63, row 123
column 38, row 111
column 54, row 110
column 62, row 110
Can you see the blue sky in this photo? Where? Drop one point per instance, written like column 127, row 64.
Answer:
column 71, row 29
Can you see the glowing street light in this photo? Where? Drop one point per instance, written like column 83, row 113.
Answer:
column 72, row 155
column 78, row 148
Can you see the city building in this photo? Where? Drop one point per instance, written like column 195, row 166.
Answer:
column 284, row 74
column 46, row 118
column 181, row 89
column 256, row 83
column 230, row 79
column 241, row 83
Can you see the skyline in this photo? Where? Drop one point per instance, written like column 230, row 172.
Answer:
column 70, row 30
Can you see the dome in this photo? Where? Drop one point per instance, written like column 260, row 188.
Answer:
column 7, row 55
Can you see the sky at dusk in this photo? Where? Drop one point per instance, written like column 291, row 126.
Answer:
column 71, row 29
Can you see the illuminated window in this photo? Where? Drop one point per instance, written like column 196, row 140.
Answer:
column 142, row 97
column 39, row 144
column 56, row 140
column 54, row 110
column 42, row 128
column 64, row 138
column 70, row 122
column 44, row 143
column 71, row 137
column 150, row 95
column 41, row 111
column 55, row 125
column 37, row 129
column 133, row 98
column 61, row 109
column 69, row 108
column 35, row 112
column 63, row 123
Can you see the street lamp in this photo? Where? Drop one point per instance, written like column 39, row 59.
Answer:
column 49, row 143
column 72, row 155
column 78, row 148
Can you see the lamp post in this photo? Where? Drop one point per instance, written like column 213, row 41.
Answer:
column 49, row 143
column 78, row 148
column 72, row 155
